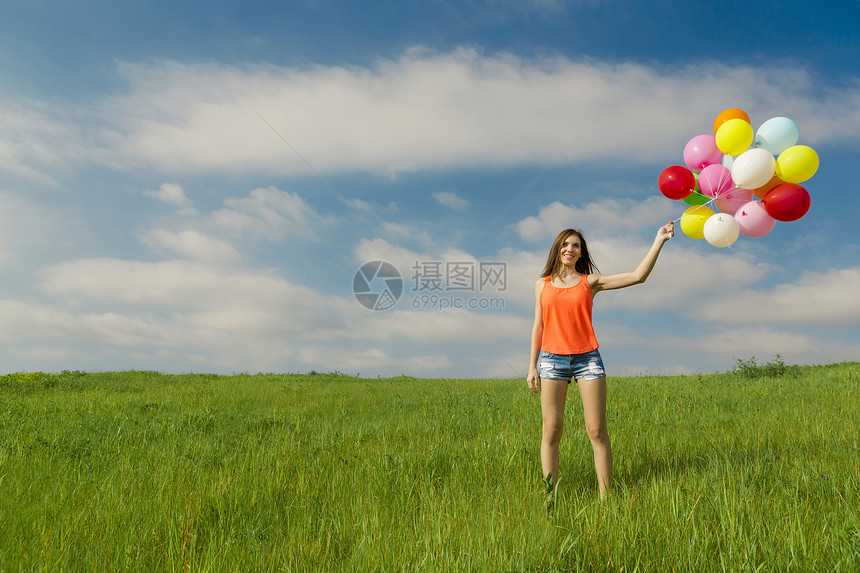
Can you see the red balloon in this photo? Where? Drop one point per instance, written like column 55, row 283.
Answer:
column 787, row 202
column 676, row 182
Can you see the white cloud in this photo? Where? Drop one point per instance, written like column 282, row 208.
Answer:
column 381, row 250
column 397, row 230
column 12, row 163
column 423, row 110
column 42, row 353
column 452, row 200
column 404, row 231
column 171, row 194
column 452, row 324
column 429, row 110
column 174, row 284
column 227, row 318
column 361, row 205
column 599, row 218
column 522, row 269
column 23, row 320
column 27, row 230
column 36, row 137
column 272, row 213
column 195, row 313
column 765, row 343
column 372, row 359
column 829, row 299
column 192, row 244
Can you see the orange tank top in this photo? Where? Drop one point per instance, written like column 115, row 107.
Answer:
column 566, row 316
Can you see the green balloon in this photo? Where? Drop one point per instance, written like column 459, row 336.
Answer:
column 696, row 198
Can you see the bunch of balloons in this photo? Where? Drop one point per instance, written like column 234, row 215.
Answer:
column 750, row 178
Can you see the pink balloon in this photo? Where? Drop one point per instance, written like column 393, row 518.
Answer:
column 730, row 201
column 714, row 180
column 753, row 220
column 702, row 151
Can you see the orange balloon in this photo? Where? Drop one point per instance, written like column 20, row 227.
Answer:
column 731, row 113
column 764, row 189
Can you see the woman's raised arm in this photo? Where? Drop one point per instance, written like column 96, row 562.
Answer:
column 621, row 280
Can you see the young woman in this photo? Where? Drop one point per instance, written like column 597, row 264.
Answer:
column 563, row 346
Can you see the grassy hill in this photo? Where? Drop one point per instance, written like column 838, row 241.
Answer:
column 752, row 470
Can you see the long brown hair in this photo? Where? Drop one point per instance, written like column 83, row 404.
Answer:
column 583, row 266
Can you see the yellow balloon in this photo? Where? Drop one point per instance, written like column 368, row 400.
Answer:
column 693, row 221
column 734, row 137
column 797, row 164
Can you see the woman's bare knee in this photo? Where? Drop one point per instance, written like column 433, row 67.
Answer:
column 552, row 430
column 598, row 434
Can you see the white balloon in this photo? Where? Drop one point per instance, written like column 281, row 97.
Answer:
column 753, row 168
column 777, row 134
column 721, row 230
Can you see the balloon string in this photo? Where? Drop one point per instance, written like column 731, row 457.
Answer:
column 711, row 201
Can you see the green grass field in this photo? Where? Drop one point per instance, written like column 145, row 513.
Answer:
column 752, row 470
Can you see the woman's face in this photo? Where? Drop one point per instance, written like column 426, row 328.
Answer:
column 571, row 250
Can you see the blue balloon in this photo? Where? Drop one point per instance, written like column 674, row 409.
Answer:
column 777, row 134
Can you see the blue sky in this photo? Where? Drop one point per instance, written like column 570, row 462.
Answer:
column 190, row 186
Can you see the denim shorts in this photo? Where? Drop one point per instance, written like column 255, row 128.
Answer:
column 586, row 366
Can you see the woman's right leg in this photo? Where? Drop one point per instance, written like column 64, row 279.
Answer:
column 593, row 394
column 553, row 394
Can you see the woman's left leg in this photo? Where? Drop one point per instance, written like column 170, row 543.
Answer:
column 593, row 394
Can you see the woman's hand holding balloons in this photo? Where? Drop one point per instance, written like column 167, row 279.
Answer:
column 666, row 232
